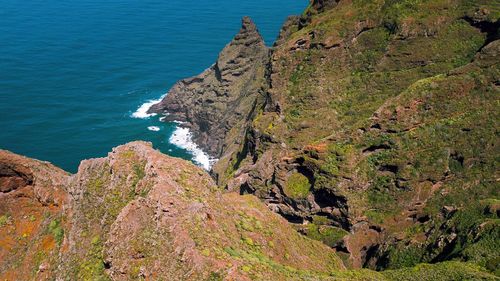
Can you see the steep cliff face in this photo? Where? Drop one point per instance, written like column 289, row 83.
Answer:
column 379, row 118
column 218, row 103
column 32, row 200
column 140, row 215
column 370, row 126
column 352, row 90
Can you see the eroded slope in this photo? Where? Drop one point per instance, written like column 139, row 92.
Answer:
column 379, row 134
column 139, row 214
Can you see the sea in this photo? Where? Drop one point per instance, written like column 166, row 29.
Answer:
column 77, row 76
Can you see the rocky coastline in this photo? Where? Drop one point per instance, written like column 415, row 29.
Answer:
column 319, row 112
column 362, row 146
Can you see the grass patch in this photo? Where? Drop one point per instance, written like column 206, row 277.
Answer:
column 92, row 268
column 442, row 271
column 297, row 186
column 5, row 220
column 57, row 231
column 329, row 235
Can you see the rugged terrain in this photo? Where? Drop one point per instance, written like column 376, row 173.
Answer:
column 378, row 131
column 138, row 214
column 370, row 126
column 218, row 103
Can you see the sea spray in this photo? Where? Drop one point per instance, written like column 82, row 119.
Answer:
column 183, row 138
column 142, row 111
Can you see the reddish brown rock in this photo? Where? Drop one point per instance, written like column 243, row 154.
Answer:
column 140, row 214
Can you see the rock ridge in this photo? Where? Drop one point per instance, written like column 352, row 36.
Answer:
column 370, row 128
column 216, row 103
column 140, row 214
column 353, row 90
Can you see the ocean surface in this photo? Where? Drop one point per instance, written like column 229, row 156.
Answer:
column 75, row 73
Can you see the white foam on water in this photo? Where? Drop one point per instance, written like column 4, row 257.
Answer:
column 182, row 138
column 162, row 118
column 142, row 111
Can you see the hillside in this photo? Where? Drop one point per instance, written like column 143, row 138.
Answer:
column 378, row 131
column 362, row 146
column 138, row 214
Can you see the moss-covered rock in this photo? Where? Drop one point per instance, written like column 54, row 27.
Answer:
column 297, row 186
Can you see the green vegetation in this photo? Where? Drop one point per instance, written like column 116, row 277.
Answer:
column 56, row 230
column 337, row 153
column 92, row 268
column 248, row 241
column 139, row 173
column 446, row 271
column 329, row 235
column 389, row 104
column 297, row 186
column 404, row 256
column 5, row 219
column 215, row 276
column 374, row 44
column 381, row 117
column 256, row 261
column 382, row 194
column 478, row 235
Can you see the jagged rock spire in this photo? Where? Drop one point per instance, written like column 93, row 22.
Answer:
column 238, row 56
column 249, row 34
column 219, row 99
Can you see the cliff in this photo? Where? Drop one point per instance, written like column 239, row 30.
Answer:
column 376, row 133
column 378, row 124
column 216, row 104
column 138, row 214
column 370, row 126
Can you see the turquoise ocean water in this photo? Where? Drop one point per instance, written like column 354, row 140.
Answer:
column 72, row 73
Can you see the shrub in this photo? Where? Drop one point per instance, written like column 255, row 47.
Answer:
column 297, row 186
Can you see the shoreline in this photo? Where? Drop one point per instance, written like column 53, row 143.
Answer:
column 181, row 137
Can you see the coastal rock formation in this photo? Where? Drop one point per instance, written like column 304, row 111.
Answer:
column 216, row 104
column 372, row 116
column 370, row 127
column 139, row 214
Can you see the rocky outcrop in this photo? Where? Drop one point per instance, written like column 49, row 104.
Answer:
column 217, row 104
column 322, row 5
column 32, row 197
column 370, row 128
column 326, row 142
column 354, row 92
column 139, row 214
column 291, row 25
